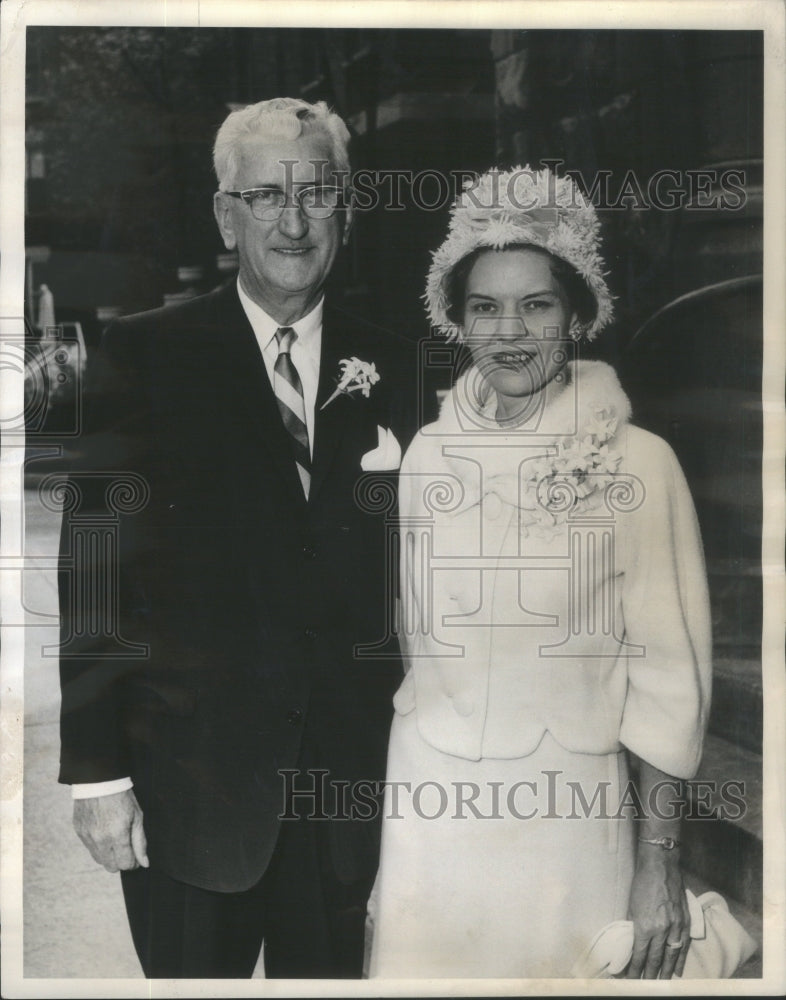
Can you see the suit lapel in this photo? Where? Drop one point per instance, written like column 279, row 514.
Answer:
column 330, row 423
column 248, row 389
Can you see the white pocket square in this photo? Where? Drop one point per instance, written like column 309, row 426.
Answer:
column 386, row 456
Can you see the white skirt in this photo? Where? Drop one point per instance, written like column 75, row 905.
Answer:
column 496, row 868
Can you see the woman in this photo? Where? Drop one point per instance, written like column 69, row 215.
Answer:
column 556, row 623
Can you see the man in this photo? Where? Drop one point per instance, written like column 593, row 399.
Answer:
column 250, row 574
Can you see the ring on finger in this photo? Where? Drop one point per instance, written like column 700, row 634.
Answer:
column 674, row 944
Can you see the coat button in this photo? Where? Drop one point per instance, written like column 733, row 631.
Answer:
column 310, row 633
column 309, row 552
column 294, row 716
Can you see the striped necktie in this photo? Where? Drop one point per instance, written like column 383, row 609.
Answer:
column 288, row 390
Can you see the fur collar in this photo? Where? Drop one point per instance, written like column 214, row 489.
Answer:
column 585, row 412
column 591, row 390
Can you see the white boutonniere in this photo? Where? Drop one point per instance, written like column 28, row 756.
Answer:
column 355, row 376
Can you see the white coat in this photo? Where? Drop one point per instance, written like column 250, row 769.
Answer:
column 586, row 619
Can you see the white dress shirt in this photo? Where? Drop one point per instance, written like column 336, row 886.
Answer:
column 305, row 350
column 305, row 354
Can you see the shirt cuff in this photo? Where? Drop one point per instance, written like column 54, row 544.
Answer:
column 95, row 789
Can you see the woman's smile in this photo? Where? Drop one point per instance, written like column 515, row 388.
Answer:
column 514, row 358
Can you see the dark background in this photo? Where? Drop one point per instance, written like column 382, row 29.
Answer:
column 120, row 124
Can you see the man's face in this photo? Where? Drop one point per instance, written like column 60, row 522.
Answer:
column 283, row 262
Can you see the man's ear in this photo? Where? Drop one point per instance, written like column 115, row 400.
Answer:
column 222, row 209
column 349, row 218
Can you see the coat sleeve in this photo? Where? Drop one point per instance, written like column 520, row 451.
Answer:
column 666, row 613
column 410, row 508
column 96, row 576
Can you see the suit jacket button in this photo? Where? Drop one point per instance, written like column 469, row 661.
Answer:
column 309, row 552
column 310, row 633
column 294, row 716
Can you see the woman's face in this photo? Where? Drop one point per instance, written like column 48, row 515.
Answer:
column 516, row 320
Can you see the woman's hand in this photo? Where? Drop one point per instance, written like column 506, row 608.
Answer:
column 659, row 911
column 658, row 906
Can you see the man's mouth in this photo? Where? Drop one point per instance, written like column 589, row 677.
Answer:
column 292, row 251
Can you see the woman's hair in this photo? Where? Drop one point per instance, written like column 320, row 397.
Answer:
column 280, row 118
column 580, row 298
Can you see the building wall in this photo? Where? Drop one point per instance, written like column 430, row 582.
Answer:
column 636, row 103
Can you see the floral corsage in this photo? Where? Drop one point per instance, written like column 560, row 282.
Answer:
column 575, row 477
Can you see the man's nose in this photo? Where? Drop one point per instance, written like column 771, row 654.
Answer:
column 292, row 221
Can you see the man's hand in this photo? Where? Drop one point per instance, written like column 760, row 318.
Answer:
column 110, row 827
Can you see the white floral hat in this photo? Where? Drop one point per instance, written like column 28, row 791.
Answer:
column 522, row 206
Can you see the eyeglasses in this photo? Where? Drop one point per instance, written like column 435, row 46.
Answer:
column 268, row 203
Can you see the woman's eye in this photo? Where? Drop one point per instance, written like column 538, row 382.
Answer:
column 535, row 305
column 482, row 307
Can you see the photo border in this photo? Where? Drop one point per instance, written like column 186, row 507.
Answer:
column 766, row 15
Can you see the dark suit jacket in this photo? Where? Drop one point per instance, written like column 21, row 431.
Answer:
column 250, row 600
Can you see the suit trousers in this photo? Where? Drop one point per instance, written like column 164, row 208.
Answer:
column 311, row 922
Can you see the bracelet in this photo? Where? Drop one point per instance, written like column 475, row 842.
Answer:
column 667, row 843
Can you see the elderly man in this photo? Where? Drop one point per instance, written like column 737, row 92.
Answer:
column 230, row 687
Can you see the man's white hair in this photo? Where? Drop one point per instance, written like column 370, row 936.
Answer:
column 279, row 118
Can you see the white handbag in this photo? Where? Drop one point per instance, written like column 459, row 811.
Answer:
column 719, row 943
